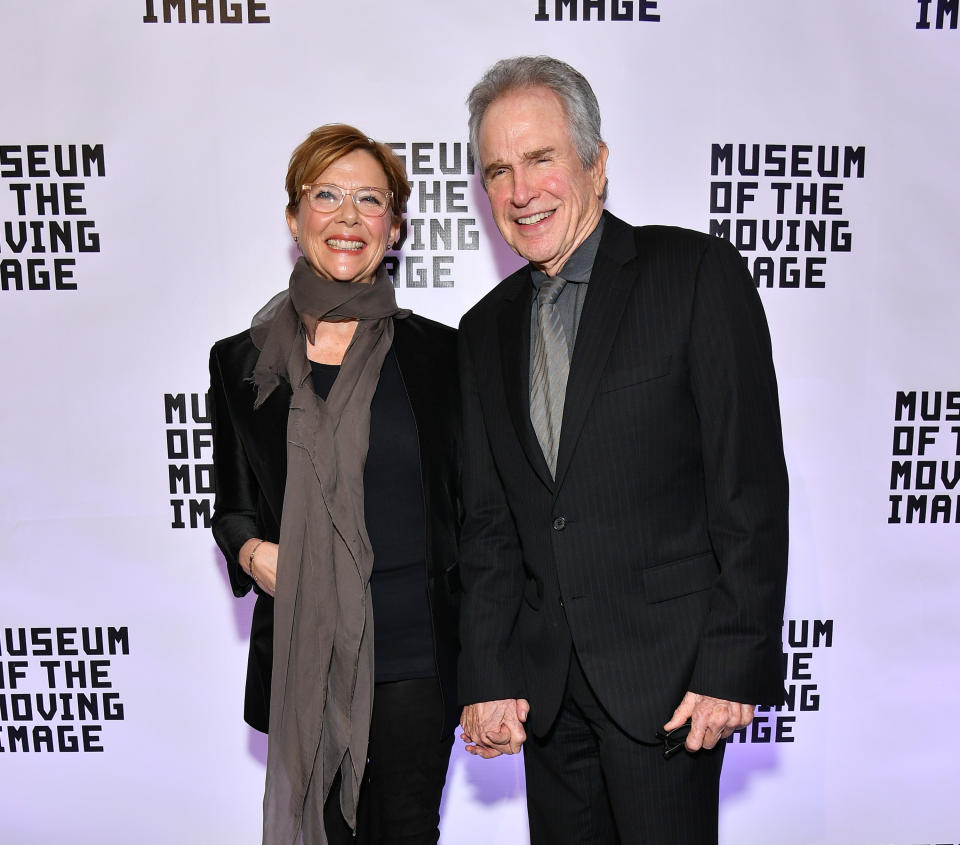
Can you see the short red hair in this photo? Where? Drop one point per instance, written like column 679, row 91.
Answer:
column 325, row 145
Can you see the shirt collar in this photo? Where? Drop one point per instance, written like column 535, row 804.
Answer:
column 580, row 265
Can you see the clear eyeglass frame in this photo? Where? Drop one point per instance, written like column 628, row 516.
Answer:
column 359, row 196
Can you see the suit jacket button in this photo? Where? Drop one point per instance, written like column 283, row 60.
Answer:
column 559, row 524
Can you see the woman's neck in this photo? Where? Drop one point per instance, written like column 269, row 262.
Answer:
column 330, row 342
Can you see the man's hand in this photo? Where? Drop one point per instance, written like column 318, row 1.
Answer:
column 492, row 728
column 712, row 719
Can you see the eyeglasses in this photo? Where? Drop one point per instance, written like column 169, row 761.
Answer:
column 675, row 739
column 370, row 202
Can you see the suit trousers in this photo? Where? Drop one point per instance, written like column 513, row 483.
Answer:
column 406, row 769
column 589, row 783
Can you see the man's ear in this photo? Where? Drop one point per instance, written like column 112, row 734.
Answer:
column 599, row 169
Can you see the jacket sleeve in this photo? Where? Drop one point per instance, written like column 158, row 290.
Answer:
column 235, row 505
column 734, row 387
column 491, row 566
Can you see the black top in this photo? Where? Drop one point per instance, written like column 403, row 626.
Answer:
column 394, row 515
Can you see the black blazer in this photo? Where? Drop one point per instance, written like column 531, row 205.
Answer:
column 250, row 462
column 660, row 552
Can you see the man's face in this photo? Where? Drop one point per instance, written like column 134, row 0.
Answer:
column 543, row 201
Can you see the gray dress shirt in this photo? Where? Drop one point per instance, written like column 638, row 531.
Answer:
column 577, row 272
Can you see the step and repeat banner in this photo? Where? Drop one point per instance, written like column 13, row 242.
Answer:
column 143, row 149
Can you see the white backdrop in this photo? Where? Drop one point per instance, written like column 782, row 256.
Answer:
column 122, row 651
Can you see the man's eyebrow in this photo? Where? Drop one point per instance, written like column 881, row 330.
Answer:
column 532, row 155
column 494, row 165
column 540, row 153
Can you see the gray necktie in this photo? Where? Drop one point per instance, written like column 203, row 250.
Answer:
column 551, row 366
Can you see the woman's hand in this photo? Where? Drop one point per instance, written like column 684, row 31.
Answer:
column 258, row 558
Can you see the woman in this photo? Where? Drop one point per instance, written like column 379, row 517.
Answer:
column 335, row 450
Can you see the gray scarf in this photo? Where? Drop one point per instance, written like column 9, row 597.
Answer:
column 322, row 684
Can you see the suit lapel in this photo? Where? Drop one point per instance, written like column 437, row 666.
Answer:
column 268, row 434
column 614, row 273
column 514, row 336
column 413, row 360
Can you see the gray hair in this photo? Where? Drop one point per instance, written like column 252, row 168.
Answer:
column 577, row 97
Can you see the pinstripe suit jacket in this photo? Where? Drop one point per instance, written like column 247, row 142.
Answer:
column 660, row 550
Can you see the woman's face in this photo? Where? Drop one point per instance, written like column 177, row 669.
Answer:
column 345, row 245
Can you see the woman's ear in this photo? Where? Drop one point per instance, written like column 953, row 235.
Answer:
column 292, row 224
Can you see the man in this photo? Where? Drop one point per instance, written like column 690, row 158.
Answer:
column 625, row 540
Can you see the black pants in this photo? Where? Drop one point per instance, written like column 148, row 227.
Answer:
column 588, row 783
column 407, row 761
